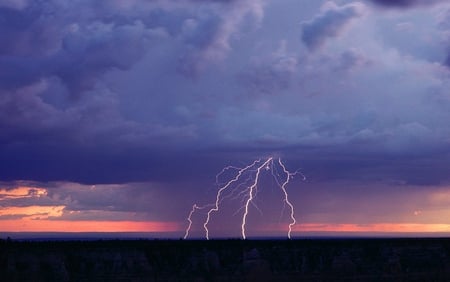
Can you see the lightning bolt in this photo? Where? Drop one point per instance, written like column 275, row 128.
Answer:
column 194, row 207
column 289, row 175
column 219, row 193
column 189, row 218
column 250, row 195
column 249, row 187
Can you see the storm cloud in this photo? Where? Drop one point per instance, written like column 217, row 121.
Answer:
column 405, row 3
column 148, row 99
column 329, row 23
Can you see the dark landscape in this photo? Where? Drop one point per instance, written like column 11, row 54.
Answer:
column 413, row 259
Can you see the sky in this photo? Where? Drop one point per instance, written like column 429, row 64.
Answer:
column 116, row 116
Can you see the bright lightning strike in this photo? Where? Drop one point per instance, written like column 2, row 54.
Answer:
column 250, row 195
column 194, row 208
column 245, row 185
column 289, row 175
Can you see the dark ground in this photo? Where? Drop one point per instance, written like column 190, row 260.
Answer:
column 227, row 260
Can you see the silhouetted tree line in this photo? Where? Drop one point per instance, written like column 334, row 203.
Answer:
column 226, row 260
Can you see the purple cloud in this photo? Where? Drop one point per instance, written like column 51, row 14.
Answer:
column 329, row 23
column 134, row 117
column 447, row 61
column 270, row 75
column 406, row 3
column 93, row 50
column 38, row 47
column 444, row 27
column 14, row 4
column 211, row 37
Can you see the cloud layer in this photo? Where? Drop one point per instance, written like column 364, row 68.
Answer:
column 168, row 92
column 405, row 3
column 329, row 23
column 114, row 91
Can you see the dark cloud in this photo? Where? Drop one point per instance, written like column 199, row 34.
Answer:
column 14, row 4
column 17, row 72
column 406, row 3
column 211, row 36
column 90, row 52
column 43, row 142
column 395, row 169
column 102, row 164
column 134, row 119
column 444, row 28
column 58, row 49
column 78, row 48
column 351, row 59
column 25, row 32
column 447, row 61
column 329, row 23
column 48, row 48
column 51, row 39
column 270, row 76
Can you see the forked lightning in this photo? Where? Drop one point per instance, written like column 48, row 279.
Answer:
column 247, row 179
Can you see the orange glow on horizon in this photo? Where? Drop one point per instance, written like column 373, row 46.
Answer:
column 30, row 225
column 375, row 227
column 45, row 225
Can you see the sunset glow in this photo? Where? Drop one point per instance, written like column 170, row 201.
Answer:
column 30, row 225
column 374, row 228
column 22, row 192
column 63, row 218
